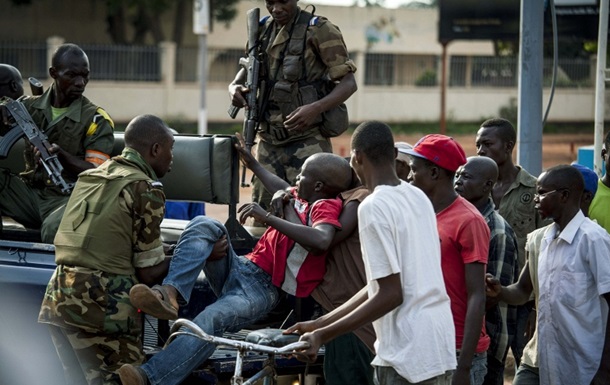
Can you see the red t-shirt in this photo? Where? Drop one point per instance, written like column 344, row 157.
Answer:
column 464, row 238
column 292, row 267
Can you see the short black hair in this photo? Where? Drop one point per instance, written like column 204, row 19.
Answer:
column 64, row 50
column 566, row 177
column 607, row 141
column 375, row 140
column 145, row 130
column 506, row 131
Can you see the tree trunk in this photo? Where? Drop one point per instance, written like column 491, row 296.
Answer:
column 115, row 21
column 179, row 21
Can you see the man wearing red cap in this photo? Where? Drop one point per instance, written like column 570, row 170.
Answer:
column 464, row 239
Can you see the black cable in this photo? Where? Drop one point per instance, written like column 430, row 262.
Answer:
column 555, row 60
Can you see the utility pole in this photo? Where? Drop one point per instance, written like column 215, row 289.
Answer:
column 201, row 24
column 600, row 87
column 529, row 139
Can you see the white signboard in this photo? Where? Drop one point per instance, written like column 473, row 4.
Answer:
column 201, row 17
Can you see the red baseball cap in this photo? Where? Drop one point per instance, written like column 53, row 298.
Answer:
column 441, row 150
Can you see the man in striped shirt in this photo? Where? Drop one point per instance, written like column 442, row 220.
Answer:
column 474, row 181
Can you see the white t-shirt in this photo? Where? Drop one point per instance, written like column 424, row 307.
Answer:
column 398, row 234
column 573, row 272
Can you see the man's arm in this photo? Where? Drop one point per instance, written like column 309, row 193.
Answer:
column 316, row 239
column 328, row 318
column 603, row 373
column 515, row 294
column 73, row 164
column 304, row 116
column 271, row 181
column 475, row 286
column 349, row 222
column 386, row 299
column 501, row 262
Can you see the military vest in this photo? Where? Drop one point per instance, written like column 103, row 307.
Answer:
column 286, row 81
column 94, row 231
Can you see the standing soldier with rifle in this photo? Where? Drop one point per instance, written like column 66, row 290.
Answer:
column 80, row 136
column 294, row 84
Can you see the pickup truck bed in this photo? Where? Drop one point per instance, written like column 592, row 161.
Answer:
column 205, row 169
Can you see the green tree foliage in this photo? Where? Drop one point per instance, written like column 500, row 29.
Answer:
column 144, row 16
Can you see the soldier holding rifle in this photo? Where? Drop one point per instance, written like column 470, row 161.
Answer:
column 304, row 78
column 79, row 133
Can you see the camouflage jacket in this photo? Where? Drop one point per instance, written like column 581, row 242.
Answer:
column 90, row 287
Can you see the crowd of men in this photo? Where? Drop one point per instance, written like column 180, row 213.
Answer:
column 427, row 264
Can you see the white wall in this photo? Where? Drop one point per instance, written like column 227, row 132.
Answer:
column 181, row 102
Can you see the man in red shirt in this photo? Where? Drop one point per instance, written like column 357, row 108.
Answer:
column 464, row 239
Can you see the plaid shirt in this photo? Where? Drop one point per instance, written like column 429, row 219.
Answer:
column 501, row 320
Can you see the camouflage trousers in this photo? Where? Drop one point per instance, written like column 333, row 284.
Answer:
column 285, row 161
column 93, row 359
column 33, row 208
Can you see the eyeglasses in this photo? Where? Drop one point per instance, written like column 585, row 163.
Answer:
column 543, row 195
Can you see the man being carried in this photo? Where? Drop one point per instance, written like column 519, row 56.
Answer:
column 290, row 256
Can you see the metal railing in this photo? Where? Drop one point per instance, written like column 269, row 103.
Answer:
column 145, row 64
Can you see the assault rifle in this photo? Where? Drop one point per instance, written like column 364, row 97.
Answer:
column 21, row 124
column 252, row 64
column 35, row 86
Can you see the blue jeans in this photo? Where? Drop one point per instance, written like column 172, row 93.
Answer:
column 387, row 375
column 495, row 371
column 526, row 375
column 478, row 368
column 245, row 294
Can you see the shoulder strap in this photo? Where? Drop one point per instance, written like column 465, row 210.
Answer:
column 298, row 38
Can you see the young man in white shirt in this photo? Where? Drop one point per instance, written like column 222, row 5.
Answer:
column 405, row 297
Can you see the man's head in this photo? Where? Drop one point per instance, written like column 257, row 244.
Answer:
column 434, row 160
column 11, row 82
column 475, row 180
column 496, row 139
column 402, row 160
column 148, row 135
column 374, row 141
column 323, row 176
column 70, row 72
column 558, row 191
column 590, row 178
column 282, row 11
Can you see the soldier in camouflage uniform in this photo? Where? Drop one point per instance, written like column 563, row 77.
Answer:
column 81, row 136
column 307, row 75
column 108, row 241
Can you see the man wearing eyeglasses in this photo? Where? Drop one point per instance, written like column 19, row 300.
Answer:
column 572, row 280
